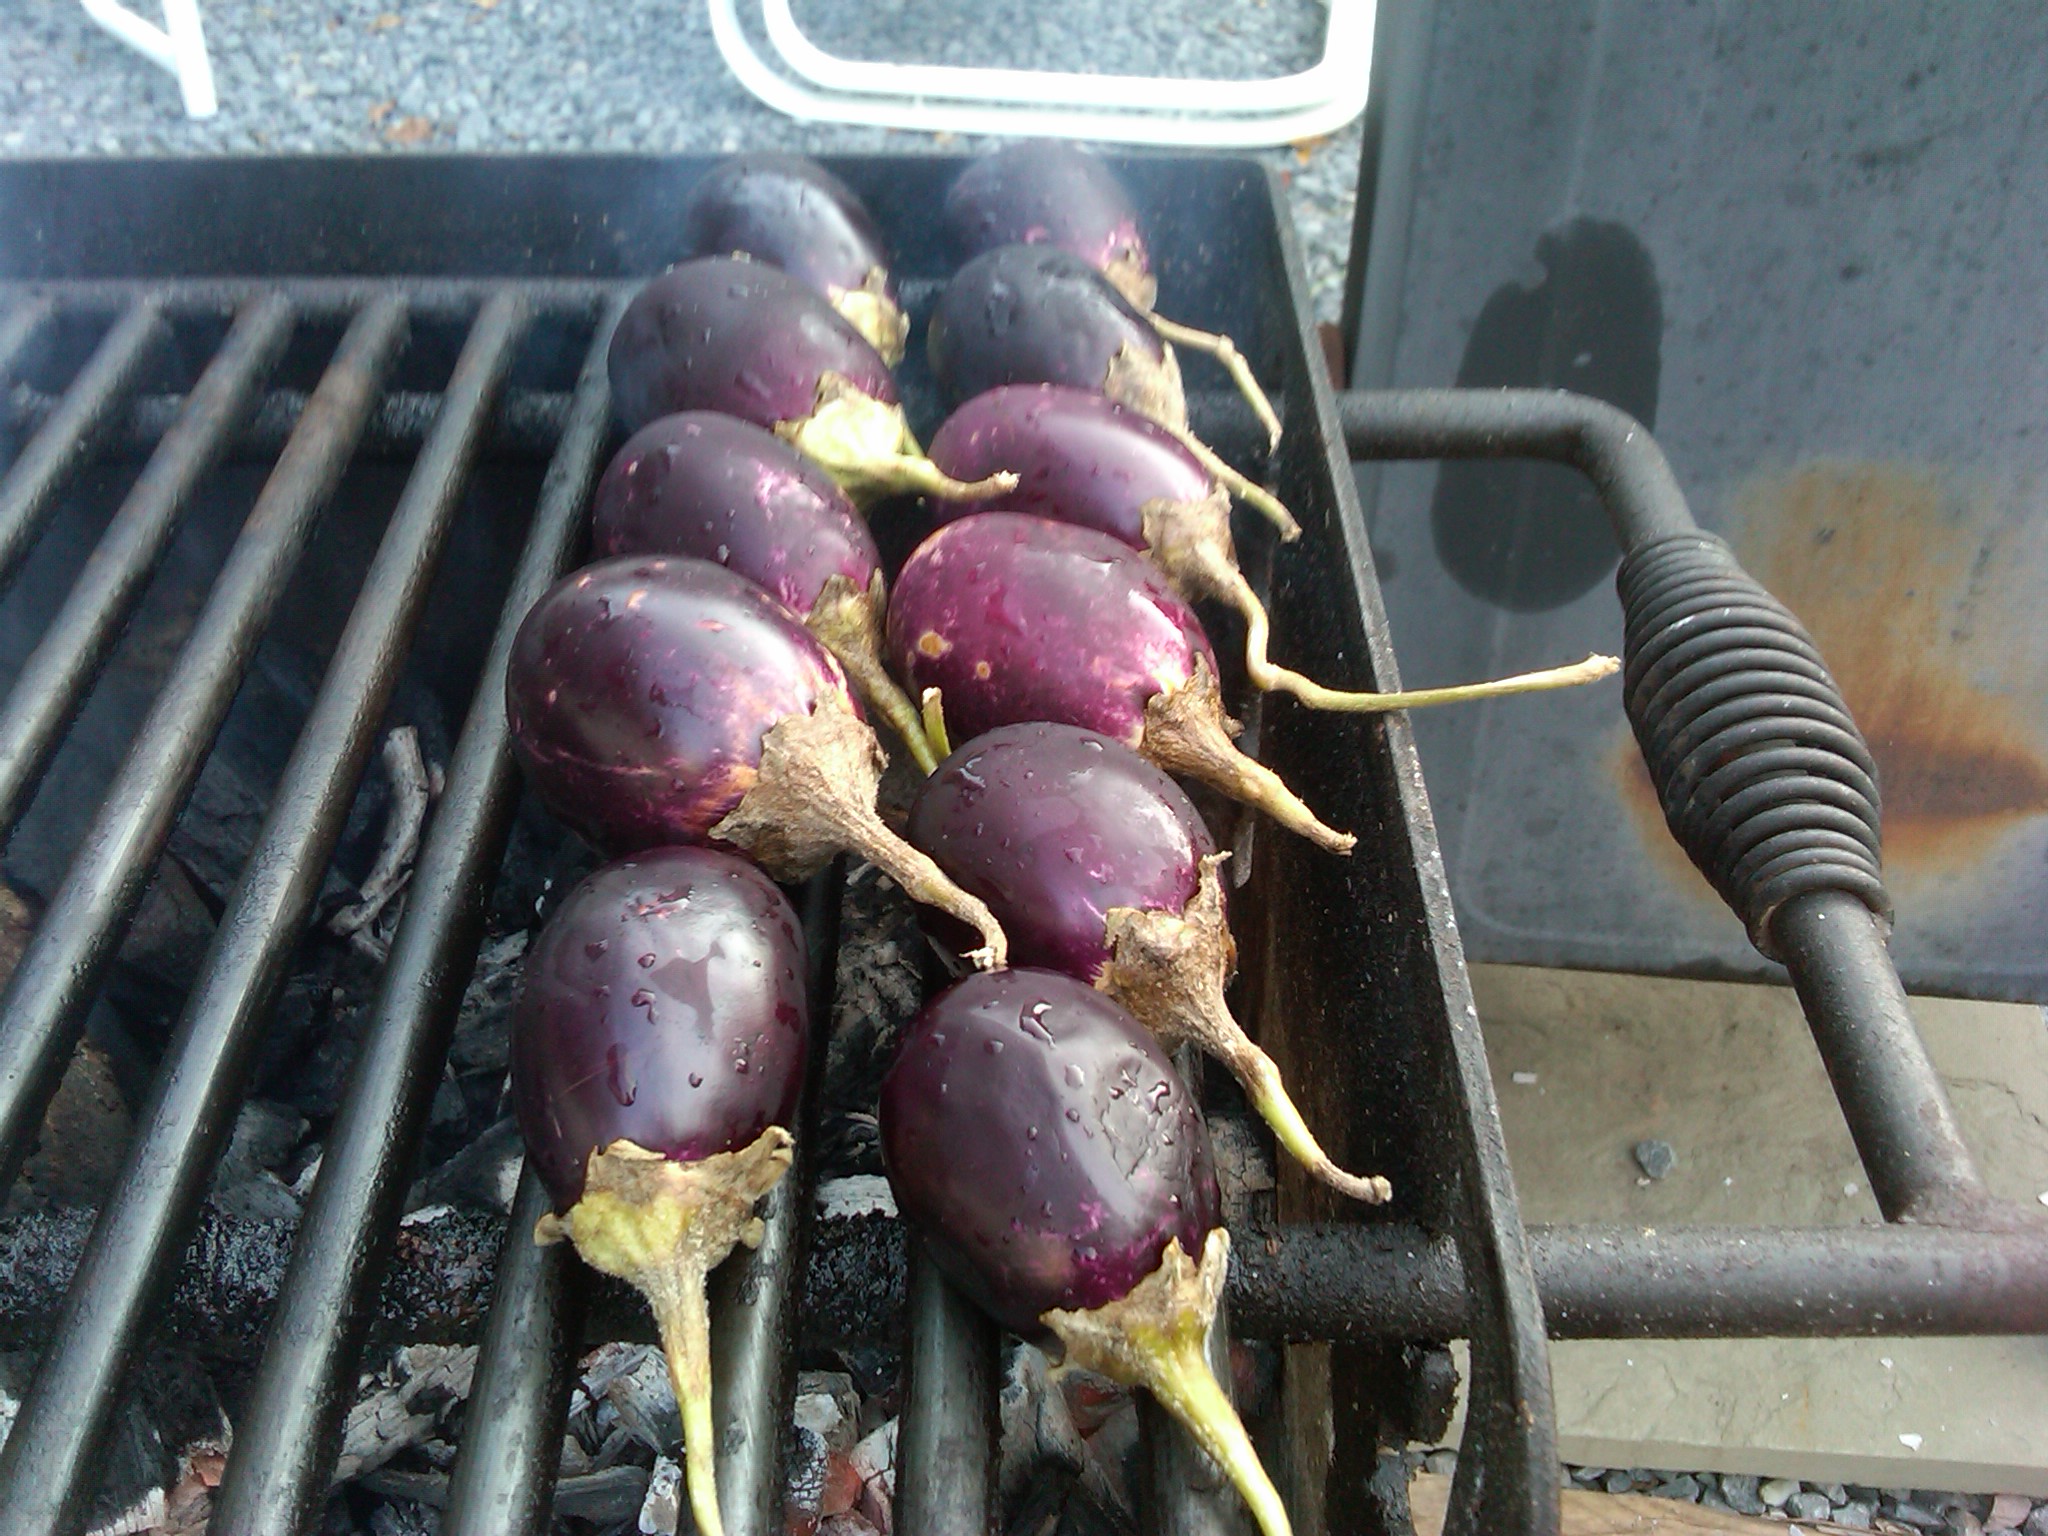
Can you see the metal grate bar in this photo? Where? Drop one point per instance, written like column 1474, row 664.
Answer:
column 58, row 973
column 511, row 1447
column 320, row 298
column 72, row 650
column 19, row 329
column 53, row 454
column 284, row 1450
column 944, row 1473
column 47, row 1468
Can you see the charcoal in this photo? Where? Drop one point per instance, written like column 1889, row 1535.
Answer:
column 246, row 1184
column 84, row 1133
column 603, row 1498
column 159, row 959
column 878, row 987
column 661, row 1510
column 135, row 1466
column 483, row 1175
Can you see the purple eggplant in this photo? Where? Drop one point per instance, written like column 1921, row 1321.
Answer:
column 657, row 1058
column 748, row 340
column 1057, row 1169
column 1032, row 314
column 1097, row 865
column 1014, row 618
column 665, row 701
column 792, row 213
column 721, row 489
column 1044, row 192
column 1081, row 458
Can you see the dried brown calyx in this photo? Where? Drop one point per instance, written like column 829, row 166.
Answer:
column 1186, row 732
column 814, row 797
column 1169, row 970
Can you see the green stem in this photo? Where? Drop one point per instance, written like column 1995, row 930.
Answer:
column 1261, row 1079
column 1179, row 1376
column 1224, row 350
column 1316, row 696
column 890, row 701
column 1249, row 492
column 684, row 1321
column 935, row 723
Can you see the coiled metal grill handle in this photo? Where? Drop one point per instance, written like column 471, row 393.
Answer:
column 1764, row 779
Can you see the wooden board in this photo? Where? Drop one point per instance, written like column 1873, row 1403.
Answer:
column 1621, row 1514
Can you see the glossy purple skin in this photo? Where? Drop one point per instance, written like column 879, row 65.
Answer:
column 790, row 212
column 1045, row 192
column 1019, row 618
column 739, row 337
column 663, row 1005
column 1031, row 314
column 1078, row 455
column 720, row 489
column 1042, row 1144
column 1052, row 826
column 639, row 691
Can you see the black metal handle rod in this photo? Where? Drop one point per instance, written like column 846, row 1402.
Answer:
column 504, row 1478
column 286, row 1441
column 28, row 494
column 1895, row 1103
column 47, row 1468
column 1607, row 445
column 55, row 678
column 945, row 1474
column 1898, row 1108
column 333, row 298
column 1383, row 1282
column 57, row 975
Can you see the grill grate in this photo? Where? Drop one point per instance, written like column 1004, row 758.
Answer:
column 1352, row 966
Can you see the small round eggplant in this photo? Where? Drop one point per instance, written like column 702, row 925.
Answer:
column 740, row 337
column 1056, row 1167
column 666, row 701
column 1081, row 458
column 721, row 489
column 1016, row 618
column 1032, row 314
column 792, row 213
column 1097, row 865
column 1048, row 192
column 657, row 1058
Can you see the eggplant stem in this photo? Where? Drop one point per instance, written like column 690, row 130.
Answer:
column 1169, row 969
column 935, row 723
column 1224, row 350
column 814, row 795
column 1156, row 1337
column 1280, row 679
column 684, row 1322
column 867, row 446
column 870, row 310
column 1250, row 492
column 848, row 622
column 664, row 1226
column 1185, row 732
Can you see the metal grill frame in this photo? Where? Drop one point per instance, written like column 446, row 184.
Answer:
column 1403, row 1075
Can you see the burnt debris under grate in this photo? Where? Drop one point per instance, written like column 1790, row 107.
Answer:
column 270, row 876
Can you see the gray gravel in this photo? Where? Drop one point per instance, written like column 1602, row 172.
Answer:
column 404, row 76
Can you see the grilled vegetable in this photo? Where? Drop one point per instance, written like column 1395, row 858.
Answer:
column 1097, row 865
column 659, row 701
column 743, row 338
column 1016, row 618
column 657, row 1059
column 1032, row 314
column 1046, row 192
column 792, row 213
column 720, row 489
column 1082, row 458
column 1058, row 1170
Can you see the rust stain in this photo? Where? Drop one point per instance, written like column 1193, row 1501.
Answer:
column 1926, row 605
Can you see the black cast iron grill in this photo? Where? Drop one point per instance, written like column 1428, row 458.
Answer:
column 153, row 311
